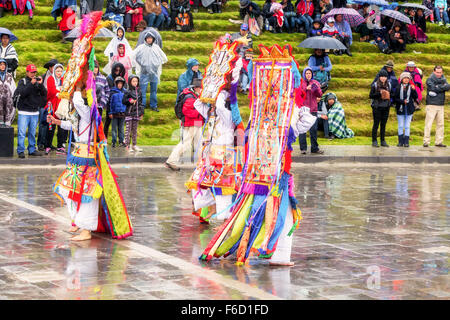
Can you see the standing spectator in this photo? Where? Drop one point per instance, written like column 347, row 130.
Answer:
column 305, row 12
column 153, row 13
column 115, row 10
column 150, row 59
column 7, row 88
column 392, row 78
column 101, row 89
column 416, row 78
column 111, row 48
column 345, row 32
column 117, row 111
column 49, row 66
column 133, row 14
column 186, row 78
column 404, row 97
column 380, row 93
column 192, row 123
column 8, row 52
column 289, row 15
column 32, row 97
column 249, row 9
column 321, row 66
column 20, row 5
column 309, row 92
column 440, row 12
column 437, row 85
column 54, row 84
column 243, row 33
column 134, row 112
column 118, row 70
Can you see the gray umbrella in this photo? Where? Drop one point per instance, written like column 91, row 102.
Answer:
column 396, row 15
column 102, row 33
column 153, row 32
column 8, row 32
column 416, row 6
column 322, row 42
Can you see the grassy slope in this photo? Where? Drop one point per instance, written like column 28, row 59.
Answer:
column 39, row 42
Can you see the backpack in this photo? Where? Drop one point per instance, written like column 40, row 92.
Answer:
column 182, row 22
column 179, row 104
column 16, row 95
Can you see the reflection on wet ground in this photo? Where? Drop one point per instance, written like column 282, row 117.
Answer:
column 369, row 233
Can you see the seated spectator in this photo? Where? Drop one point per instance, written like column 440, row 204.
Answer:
column 8, row 52
column 289, row 15
column 66, row 9
column 325, row 6
column 153, row 14
column 336, row 119
column 244, row 79
column 362, row 29
column 305, row 12
column 215, row 7
column 322, row 118
column 277, row 10
column 250, row 10
column 165, row 11
column 416, row 79
column 87, row 6
column 141, row 26
column 397, row 39
column 316, row 29
column 117, row 111
column 181, row 16
column 20, row 5
column 111, row 48
column 404, row 97
column 339, row 3
column 330, row 30
column 380, row 36
column 345, row 33
column 321, row 66
column 430, row 5
column 270, row 20
column 186, row 78
column 115, row 10
column 5, row 5
column 243, row 33
column 7, row 88
column 440, row 13
column 133, row 15
column 421, row 25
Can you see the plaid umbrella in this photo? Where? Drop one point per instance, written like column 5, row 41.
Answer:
column 416, row 6
column 396, row 15
column 379, row 3
column 351, row 15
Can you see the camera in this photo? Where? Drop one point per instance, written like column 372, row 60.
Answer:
column 38, row 78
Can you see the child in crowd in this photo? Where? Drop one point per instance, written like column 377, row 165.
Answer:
column 134, row 112
column 397, row 39
column 123, row 58
column 316, row 29
column 111, row 49
column 329, row 29
column 117, row 111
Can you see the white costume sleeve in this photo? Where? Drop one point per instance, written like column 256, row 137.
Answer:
column 66, row 125
column 222, row 112
column 202, row 108
column 83, row 110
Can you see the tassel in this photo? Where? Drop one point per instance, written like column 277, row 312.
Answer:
column 243, row 246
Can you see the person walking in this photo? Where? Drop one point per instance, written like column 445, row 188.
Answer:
column 33, row 96
column 380, row 93
column 404, row 98
column 7, row 88
column 437, row 85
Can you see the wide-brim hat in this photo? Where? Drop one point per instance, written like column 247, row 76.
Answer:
column 244, row 3
column 51, row 63
column 389, row 64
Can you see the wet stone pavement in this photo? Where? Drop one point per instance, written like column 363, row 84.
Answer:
column 368, row 233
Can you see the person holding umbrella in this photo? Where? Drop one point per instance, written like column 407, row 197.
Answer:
column 345, row 32
column 8, row 52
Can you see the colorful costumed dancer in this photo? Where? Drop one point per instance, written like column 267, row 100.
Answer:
column 216, row 177
column 88, row 185
column 265, row 214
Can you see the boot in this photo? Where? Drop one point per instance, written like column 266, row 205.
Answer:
column 1, row 12
column 375, row 144
column 400, row 140
column 406, row 141
column 30, row 14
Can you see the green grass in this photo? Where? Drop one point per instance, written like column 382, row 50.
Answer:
column 39, row 41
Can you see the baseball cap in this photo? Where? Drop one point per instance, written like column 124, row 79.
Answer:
column 31, row 68
column 244, row 26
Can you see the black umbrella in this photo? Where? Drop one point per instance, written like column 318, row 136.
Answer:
column 322, row 42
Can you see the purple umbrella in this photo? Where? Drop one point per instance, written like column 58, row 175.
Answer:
column 351, row 15
column 396, row 15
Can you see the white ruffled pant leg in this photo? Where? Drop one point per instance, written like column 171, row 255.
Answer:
column 222, row 203
column 202, row 198
column 282, row 253
column 85, row 218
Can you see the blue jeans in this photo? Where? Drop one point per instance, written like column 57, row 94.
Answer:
column 154, row 20
column 306, row 20
column 145, row 81
column 43, row 127
column 326, row 131
column 404, row 123
column 312, row 137
column 437, row 15
column 24, row 123
column 245, row 81
column 117, row 126
column 28, row 5
column 289, row 22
